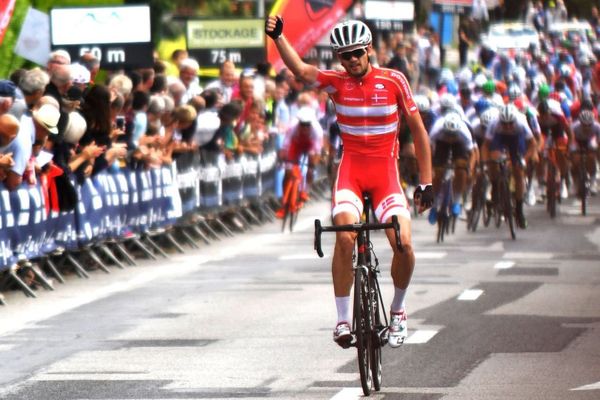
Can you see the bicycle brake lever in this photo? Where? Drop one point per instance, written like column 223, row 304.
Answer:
column 396, row 226
column 317, row 244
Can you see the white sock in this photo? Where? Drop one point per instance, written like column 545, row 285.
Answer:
column 343, row 309
column 398, row 302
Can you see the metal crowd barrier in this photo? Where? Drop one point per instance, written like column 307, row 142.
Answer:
column 124, row 213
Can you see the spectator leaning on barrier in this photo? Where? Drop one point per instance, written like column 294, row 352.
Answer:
column 173, row 65
column 188, row 74
column 184, row 117
column 97, row 113
column 207, row 121
column 92, row 64
column 246, row 96
column 139, row 106
column 148, row 76
column 225, row 141
column 10, row 174
column 177, row 91
column 19, row 106
column 227, row 82
column 7, row 95
column 253, row 133
column 159, row 85
column 80, row 76
column 57, row 57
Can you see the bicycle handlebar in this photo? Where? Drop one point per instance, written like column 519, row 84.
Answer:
column 319, row 229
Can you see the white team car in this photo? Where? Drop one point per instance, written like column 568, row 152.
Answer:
column 510, row 35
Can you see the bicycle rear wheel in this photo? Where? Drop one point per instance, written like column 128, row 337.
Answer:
column 442, row 222
column 475, row 213
column 362, row 322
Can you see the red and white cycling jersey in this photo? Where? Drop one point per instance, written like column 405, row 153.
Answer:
column 294, row 145
column 368, row 114
column 367, row 109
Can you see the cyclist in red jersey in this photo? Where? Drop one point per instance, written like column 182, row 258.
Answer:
column 368, row 102
column 556, row 132
column 303, row 137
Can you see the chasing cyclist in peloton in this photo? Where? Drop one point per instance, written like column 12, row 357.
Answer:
column 303, row 137
column 368, row 103
column 450, row 138
column 511, row 133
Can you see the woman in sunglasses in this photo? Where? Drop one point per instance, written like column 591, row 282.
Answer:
column 368, row 102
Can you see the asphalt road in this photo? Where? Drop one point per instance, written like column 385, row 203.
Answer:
column 252, row 316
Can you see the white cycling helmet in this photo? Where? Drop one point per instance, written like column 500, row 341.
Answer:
column 448, row 101
column 508, row 113
column 489, row 116
column 350, row 35
column 452, row 122
column 586, row 117
column 422, row 103
column 306, row 115
column 514, row 92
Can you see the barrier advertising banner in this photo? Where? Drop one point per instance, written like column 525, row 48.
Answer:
column 306, row 22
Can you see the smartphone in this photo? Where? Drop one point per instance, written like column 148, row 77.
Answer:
column 120, row 121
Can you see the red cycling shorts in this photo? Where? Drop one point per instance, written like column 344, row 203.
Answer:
column 377, row 176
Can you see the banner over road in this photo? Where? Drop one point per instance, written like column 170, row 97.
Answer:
column 305, row 23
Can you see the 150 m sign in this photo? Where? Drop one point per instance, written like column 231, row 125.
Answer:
column 212, row 42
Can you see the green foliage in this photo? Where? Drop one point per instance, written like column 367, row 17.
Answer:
column 8, row 60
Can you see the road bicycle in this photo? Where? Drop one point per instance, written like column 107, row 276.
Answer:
column 369, row 322
column 290, row 201
column 503, row 206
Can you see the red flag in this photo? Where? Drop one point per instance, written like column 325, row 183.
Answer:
column 305, row 23
column 6, row 11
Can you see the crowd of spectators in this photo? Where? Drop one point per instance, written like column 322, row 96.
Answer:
column 62, row 116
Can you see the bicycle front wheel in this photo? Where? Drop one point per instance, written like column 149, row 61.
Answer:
column 583, row 186
column 376, row 325
column 508, row 210
column 362, row 323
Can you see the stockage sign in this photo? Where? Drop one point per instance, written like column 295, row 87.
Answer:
column 212, row 42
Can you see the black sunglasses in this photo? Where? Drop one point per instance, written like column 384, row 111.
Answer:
column 358, row 53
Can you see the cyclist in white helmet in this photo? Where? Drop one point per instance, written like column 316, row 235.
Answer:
column 510, row 133
column 452, row 142
column 586, row 131
column 369, row 102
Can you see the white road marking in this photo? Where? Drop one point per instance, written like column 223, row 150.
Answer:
column 348, row 394
column 305, row 256
column 504, row 264
column 46, row 310
column 529, row 255
column 592, row 386
column 430, row 255
column 420, row 337
column 470, row 294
